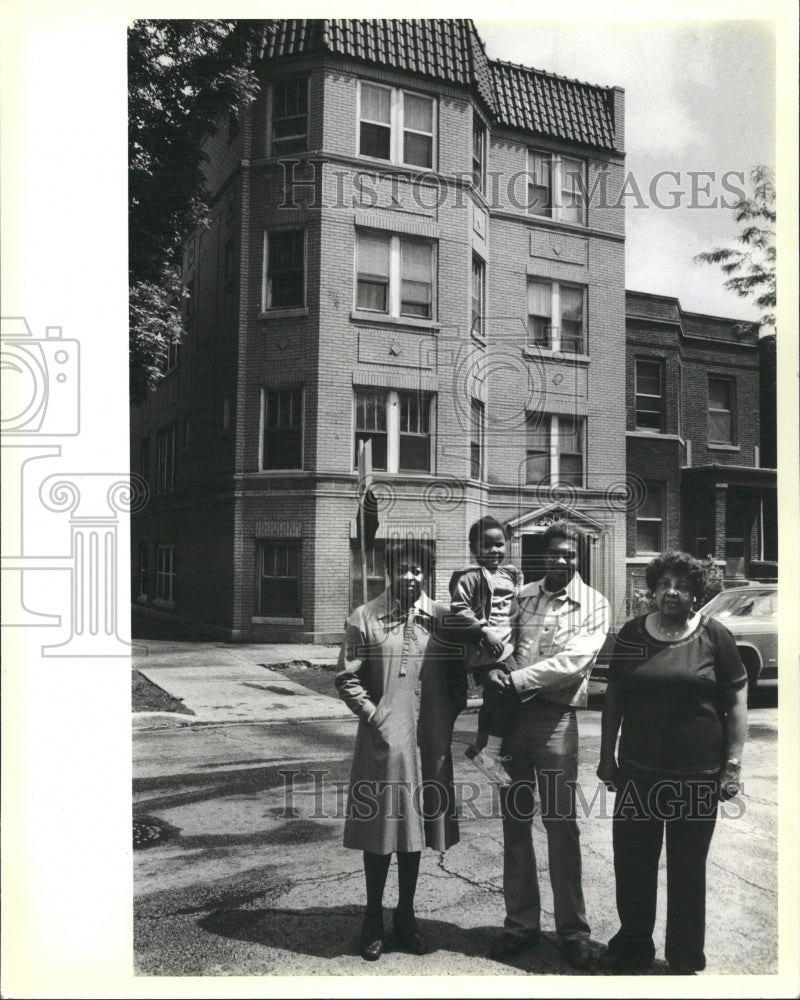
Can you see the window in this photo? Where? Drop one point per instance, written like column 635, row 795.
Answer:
column 557, row 187
column 144, row 457
column 478, row 152
column 399, row 426
column 478, row 296
column 283, row 429
column 476, row 439
column 173, row 356
column 376, row 572
column 143, row 569
column 556, row 316
column 229, row 260
column 721, row 429
column 396, row 125
column 279, row 575
column 167, row 440
column 165, row 573
column 289, row 117
column 555, row 449
column 650, row 520
column 649, row 395
column 284, row 273
column 394, row 275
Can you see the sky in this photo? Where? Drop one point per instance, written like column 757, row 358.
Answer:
column 699, row 97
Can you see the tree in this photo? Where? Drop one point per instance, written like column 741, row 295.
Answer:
column 751, row 270
column 181, row 75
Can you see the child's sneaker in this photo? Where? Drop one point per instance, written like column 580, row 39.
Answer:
column 492, row 767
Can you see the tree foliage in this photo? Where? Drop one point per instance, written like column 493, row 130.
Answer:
column 751, row 266
column 181, row 75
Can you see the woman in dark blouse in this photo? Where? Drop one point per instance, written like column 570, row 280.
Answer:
column 678, row 690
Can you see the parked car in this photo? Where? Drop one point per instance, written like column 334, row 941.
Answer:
column 751, row 614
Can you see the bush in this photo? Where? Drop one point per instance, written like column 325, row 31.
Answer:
column 714, row 579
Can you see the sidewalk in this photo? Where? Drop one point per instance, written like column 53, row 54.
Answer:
column 225, row 683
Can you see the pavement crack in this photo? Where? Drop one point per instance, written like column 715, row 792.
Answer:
column 475, row 883
column 741, row 878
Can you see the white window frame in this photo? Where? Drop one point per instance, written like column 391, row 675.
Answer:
column 480, row 130
column 397, row 127
column 559, row 164
column 478, row 302
column 731, row 410
column 274, row 143
column 266, row 305
column 395, row 276
column 653, row 489
column 656, row 362
column 165, row 574
column 554, row 343
column 265, row 392
column 392, row 402
column 477, row 437
column 553, row 423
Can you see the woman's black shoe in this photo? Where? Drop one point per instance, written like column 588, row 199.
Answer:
column 408, row 933
column 370, row 943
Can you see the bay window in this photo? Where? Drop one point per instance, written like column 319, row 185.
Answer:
column 396, row 125
column 399, row 426
column 394, row 275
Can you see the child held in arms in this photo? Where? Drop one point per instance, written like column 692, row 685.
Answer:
column 482, row 603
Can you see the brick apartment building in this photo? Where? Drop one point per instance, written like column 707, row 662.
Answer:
column 693, row 440
column 412, row 244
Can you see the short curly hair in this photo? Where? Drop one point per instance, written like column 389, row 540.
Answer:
column 487, row 523
column 677, row 564
column 410, row 550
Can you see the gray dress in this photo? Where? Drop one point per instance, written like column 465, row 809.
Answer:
column 401, row 795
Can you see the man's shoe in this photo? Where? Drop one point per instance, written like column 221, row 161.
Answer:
column 492, row 767
column 507, row 945
column 675, row 969
column 610, row 961
column 578, row 953
column 408, row 934
column 370, row 943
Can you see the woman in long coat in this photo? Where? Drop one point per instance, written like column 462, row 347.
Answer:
column 407, row 685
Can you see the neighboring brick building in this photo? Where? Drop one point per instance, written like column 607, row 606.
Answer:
column 693, row 440
column 408, row 243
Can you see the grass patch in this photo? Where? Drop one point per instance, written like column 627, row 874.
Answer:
column 149, row 697
column 315, row 676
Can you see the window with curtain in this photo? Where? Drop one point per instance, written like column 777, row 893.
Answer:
column 557, row 187
column 395, row 275
column 556, row 316
column 721, row 422
column 396, row 125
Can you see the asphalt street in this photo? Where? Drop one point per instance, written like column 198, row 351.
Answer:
column 246, row 874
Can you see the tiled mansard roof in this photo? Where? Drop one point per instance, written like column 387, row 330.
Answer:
column 452, row 51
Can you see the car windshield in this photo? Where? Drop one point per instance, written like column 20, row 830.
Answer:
column 756, row 604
